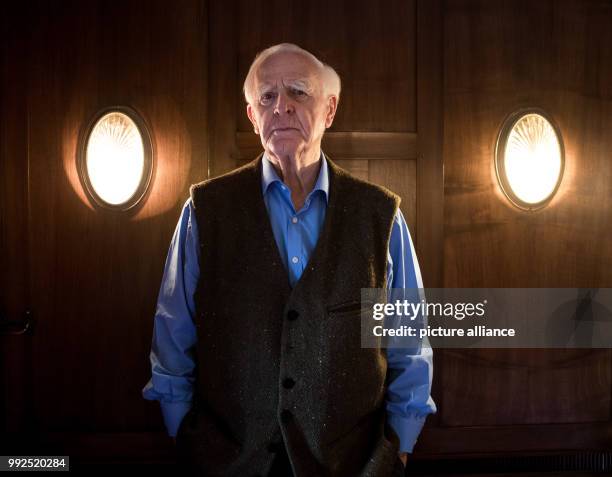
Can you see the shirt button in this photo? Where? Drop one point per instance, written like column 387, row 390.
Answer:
column 288, row 383
column 295, row 260
column 286, row 416
column 292, row 315
column 294, row 220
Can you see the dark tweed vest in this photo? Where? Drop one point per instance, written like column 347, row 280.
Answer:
column 281, row 366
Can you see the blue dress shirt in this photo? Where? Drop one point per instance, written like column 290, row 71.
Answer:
column 408, row 400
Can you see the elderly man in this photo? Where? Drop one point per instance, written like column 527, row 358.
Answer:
column 256, row 355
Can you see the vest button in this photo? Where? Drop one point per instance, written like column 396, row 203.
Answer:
column 288, row 383
column 286, row 416
column 292, row 315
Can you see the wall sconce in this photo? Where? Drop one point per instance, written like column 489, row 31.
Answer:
column 115, row 160
column 529, row 159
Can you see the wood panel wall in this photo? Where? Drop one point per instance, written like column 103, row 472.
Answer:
column 14, row 260
column 94, row 274
column 426, row 86
column 500, row 56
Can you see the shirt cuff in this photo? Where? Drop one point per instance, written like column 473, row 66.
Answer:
column 173, row 413
column 168, row 388
column 407, row 429
column 149, row 392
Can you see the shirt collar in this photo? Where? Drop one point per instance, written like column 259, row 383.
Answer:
column 269, row 175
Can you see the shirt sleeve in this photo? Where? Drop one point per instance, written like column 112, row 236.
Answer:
column 409, row 371
column 174, row 333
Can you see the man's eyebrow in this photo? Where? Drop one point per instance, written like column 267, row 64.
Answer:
column 261, row 88
column 301, row 83
column 305, row 84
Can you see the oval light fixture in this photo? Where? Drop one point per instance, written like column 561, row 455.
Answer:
column 115, row 160
column 529, row 159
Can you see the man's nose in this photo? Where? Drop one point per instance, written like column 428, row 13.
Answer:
column 283, row 105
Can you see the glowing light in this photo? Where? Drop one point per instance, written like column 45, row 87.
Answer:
column 531, row 162
column 115, row 160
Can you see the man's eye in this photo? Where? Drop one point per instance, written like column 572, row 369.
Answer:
column 299, row 92
column 266, row 98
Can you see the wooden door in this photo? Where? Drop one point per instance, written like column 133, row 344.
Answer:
column 90, row 275
column 500, row 57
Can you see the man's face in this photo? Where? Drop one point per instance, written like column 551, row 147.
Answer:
column 290, row 111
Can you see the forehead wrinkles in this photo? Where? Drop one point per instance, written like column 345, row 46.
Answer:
column 305, row 84
column 287, row 70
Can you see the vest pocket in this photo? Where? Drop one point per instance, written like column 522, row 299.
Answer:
column 349, row 307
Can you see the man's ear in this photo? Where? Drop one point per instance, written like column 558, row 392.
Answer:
column 332, row 106
column 251, row 116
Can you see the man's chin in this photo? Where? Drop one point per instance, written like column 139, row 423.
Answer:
column 285, row 147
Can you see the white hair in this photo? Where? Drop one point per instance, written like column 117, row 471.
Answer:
column 329, row 77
